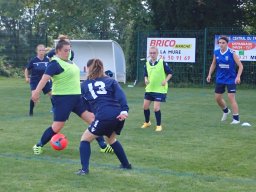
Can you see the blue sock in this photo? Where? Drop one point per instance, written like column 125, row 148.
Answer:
column 147, row 115
column 225, row 110
column 46, row 137
column 119, row 151
column 85, row 153
column 158, row 117
column 101, row 142
column 236, row 117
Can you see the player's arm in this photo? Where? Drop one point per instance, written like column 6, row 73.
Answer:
column 240, row 68
column 36, row 93
column 146, row 75
column 26, row 74
column 120, row 96
column 212, row 68
column 168, row 71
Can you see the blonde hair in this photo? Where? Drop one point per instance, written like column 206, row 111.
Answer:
column 96, row 69
column 63, row 37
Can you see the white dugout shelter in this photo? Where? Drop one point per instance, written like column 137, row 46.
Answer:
column 108, row 51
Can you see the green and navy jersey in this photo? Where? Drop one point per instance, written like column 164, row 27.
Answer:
column 105, row 97
column 65, row 77
column 156, row 73
column 37, row 68
column 225, row 67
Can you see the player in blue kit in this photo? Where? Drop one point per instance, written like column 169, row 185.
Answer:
column 225, row 61
column 108, row 103
column 66, row 94
column 34, row 72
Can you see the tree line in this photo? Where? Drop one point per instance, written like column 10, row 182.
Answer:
column 27, row 22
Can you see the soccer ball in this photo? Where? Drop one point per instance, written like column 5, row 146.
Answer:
column 59, row 142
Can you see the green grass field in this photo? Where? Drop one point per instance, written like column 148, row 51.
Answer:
column 194, row 152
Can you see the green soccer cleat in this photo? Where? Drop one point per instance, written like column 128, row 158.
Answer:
column 37, row 150
column 107, row 149
column 159, row 128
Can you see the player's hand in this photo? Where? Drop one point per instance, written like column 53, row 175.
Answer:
column 146, row 81
column 237, row 80
column 27, row 80
column 208, row 79
column 163, row 83
column 35, row 96
column 123, row 115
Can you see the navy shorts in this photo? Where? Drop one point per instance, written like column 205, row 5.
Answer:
column 220, row 88
column 47, row 88
column 63, row 105
column 106, row 127
column 161, row 97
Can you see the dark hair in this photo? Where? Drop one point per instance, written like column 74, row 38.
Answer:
column 61, row 44
column 225, row 38
column 96, row 69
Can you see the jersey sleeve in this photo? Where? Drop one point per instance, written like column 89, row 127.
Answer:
column 53, row 68
column 30, row 64
column 167, row 69
column 120, row 96
column 145, row 71
column 51, row 53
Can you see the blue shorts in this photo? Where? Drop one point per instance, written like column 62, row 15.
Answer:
column 106, row 127
column 63, row 105
column 161, row 97
column 220, row 88
column 47, row 88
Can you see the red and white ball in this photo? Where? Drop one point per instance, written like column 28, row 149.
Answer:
column 59, row 142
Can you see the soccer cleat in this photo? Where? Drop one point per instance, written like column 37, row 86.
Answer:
column 159, row 128
column 30, row 113
column 81, row 172
column 37, row 150
column 107, row 149
column 234, row 122
column 129, row 166
column 145, row 125
column 225, row 115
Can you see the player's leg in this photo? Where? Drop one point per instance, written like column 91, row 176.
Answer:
column 158, row 115
column 146, row 104
column 219, row 90
column 85, row 151
column 234, row 105
column 117, row 146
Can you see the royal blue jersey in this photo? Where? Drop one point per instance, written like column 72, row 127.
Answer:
column 225, row 67
column 105, row 97
column 37, row 68
column 167, row 69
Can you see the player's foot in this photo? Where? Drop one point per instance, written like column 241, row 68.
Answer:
column 108, row 149
column 159, row 128
column 81, row 172
column 30, row 113
column 225, row 115
column 145, row 125
column 129, row 166
column 234, row 122
column 37, row 150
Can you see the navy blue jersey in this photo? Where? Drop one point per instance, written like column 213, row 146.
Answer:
column 225, row 67
column 167, row 69
column 51, row 53
column 37, row 68
column 105, row 97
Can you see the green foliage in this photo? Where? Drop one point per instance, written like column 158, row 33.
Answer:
column 195, row 152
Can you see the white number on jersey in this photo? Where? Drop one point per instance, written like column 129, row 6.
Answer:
column 100, row 89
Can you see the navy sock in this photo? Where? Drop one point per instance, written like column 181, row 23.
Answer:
column 147, row 115
column 101, row 142
column 46, row 137
column 119, row 151
column 158, row 117
column 85, row 153
column 236, row 117
column 225, row 110
column 31, row 106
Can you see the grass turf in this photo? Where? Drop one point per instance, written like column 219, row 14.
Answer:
column 194, row 152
